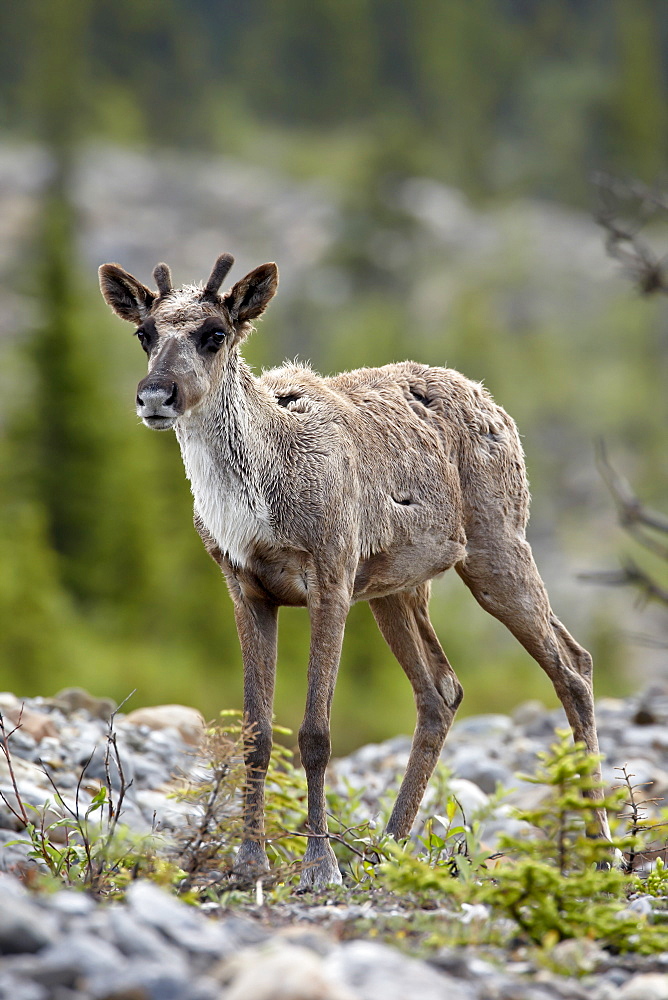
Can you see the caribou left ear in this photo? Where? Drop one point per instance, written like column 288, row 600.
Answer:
column 127, row 296
column 249, row 298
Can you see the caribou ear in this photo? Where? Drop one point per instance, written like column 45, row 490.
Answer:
column 249, row 298
column 128, row 298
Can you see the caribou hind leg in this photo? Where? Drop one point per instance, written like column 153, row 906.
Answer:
column 403, row 620
column 502, row 576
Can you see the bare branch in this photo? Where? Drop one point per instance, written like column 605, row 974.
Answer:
column 647, row 270
column 5, row 736
column 322, row 836
column 630, row 509
column 629, row 574
column 637, row 520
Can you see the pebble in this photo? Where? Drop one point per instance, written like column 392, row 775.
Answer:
column 153, row 946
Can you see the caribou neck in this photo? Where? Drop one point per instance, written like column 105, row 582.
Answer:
column 233, row 428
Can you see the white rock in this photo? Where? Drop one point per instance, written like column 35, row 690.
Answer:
column 188, row 722
column 648, row 986
column 281, row 971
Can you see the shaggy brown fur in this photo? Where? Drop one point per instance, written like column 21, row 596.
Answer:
column 322, row 491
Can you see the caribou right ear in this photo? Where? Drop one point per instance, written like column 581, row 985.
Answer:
column 128, row 298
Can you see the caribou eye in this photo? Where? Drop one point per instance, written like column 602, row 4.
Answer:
column 213, row 340
column 143, row 339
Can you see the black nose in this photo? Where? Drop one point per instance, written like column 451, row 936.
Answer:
column 157, row 394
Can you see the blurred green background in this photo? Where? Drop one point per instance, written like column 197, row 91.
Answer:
column 421, row 172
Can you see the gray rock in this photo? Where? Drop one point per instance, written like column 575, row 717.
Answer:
column 167, row 746
column 377, row 972
column 378, row 755
column 76, row 699
column 654, row 737
column 483, row 727
column 75, row 956
column 135, row 939
column 70, row 903
column 140, row 978
column 616, row 976
column 170, row 813
column 307, row 937
column 462, row 963
column 480, row 768
column 14, row 988
column 523, row 754
column 181, row 923
column 24, row 926
column 244, row 933
column 13, row 856
column 23, row 745
column 577, row 956
column 533, row 720
column 469, row 797
column 159, row 948
column 11, row 888
column 148, row 773
column 597, row 988
column 643, row 771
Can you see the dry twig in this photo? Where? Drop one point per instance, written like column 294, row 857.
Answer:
column 640, row 523
column 643, row 266
column 21, row 815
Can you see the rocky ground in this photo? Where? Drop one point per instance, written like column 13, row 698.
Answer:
column 67, row 945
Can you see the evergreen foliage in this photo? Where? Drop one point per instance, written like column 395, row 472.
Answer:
column 103, row 581
column 497, row 94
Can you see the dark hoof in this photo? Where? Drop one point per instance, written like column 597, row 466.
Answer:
column 251, row 864
column 319, row 868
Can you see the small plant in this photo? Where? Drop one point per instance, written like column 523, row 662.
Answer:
column 205, row 845
column 207, row 852
column 656, row 883
column 87, row 848
column 560, row 882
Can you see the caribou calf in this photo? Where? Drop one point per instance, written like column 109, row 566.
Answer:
column 318, row 492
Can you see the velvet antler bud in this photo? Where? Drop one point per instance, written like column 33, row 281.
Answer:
column 163, row 279
column 220, row 269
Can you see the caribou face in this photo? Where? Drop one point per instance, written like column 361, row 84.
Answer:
column 187, row 333
column 179, row 364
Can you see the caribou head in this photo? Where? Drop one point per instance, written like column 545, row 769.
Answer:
column 187, row 333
